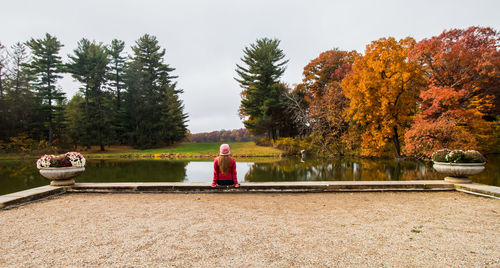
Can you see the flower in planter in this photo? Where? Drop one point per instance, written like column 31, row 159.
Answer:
column 473, row 156
column 76, row 159
column 455, row 156
column 70, row 159
column 458, row 156
column 440, row 155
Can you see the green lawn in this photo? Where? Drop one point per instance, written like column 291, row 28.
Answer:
column 246, row 149
column 182, row 150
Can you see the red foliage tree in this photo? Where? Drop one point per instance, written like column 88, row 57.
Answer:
column 460, row 107
column 327, row 104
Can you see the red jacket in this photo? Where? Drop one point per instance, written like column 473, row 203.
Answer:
column 231, row 175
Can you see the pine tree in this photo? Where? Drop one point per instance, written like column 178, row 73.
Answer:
column 259, row 78
column 46, row 65
column 19, row 94
column 75, row 114
column 174, row 128
column 3, row 65
column 4, row 122
column 116, row 76
column 117, row 69
column 89, row 66
column 155, row 114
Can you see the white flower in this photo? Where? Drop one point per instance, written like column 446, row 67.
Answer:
column 44, row 161
column 76, row 160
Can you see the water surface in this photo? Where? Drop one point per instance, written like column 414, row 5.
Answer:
column 21, row 175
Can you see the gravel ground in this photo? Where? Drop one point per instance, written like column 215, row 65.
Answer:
column 442, row 229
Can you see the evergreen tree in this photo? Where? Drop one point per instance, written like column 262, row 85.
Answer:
column 174, row 127
column 154, row 112
column 3, row 104
column 3, row 65
column 19, row 97
column 117, row 69
column 259, row 78
column 89, row 65
column 116, row 78
column 75, row 116
column 46, row 66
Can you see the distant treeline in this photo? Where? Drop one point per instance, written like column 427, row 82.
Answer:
column 241, row 134
column 123, row 99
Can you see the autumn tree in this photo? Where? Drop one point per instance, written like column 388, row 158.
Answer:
column 297, row 109
column 383, row 89
column 460, row 107
column 263, row 65
column 328, row 119
column 46, row 66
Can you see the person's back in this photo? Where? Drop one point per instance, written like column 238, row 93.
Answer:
column 225, row 168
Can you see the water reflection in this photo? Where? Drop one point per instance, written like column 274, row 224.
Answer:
column 346, row 169
column 133, row 171
column 21, row 175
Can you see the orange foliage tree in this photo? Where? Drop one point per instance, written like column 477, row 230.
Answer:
column 383, row 88
column 327, row 104
column 460, row 107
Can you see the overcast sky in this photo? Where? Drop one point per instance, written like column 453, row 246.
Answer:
column 204, row 39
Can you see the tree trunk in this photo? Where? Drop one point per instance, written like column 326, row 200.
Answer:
column 395, row 139
column 1, row 84
column 117, row 89
column 50, row 107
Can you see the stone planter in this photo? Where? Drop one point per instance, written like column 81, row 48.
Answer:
column 458, row 172
column 61, row 176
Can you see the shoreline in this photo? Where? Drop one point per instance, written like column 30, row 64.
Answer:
column 21, row 198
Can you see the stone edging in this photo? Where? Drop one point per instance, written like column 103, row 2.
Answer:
column 22, row 197
column 29, row 195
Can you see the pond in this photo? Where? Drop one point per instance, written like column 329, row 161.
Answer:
column 21, row 175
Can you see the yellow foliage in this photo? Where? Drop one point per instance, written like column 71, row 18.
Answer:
column 383, row 89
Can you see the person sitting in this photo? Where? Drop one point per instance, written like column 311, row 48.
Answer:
column 225, row 168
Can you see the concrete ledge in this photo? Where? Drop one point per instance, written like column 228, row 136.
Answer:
column 26, row 196
column 29, row 195
column 479, row 189
column 275, row 187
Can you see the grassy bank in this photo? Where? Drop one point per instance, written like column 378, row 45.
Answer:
column 182, row 150
column 186, row 150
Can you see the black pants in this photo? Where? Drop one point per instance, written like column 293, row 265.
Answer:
column 225, row 182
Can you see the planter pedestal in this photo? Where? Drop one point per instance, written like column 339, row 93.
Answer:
column 61, row 176
column 457, row 180
column 62, row 182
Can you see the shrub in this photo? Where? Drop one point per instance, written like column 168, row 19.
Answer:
column 289, row 145
column 293, row 146
column 263, row 142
